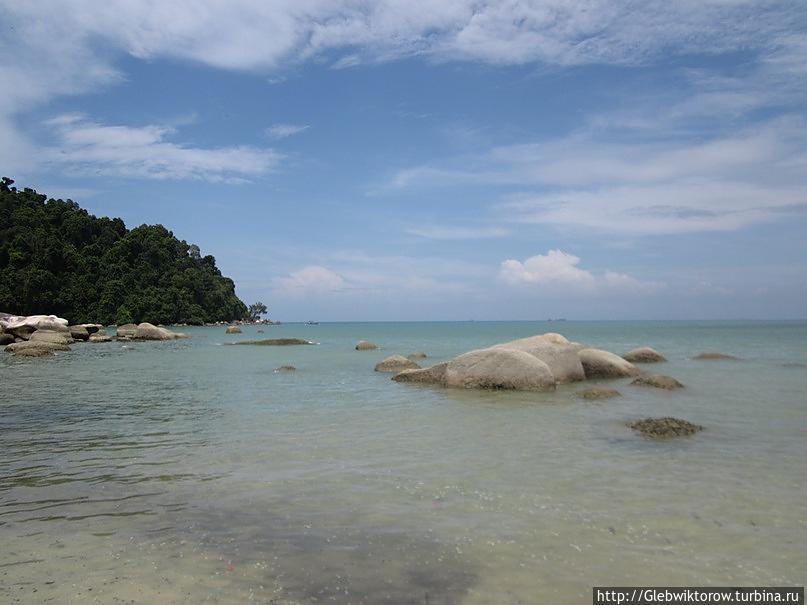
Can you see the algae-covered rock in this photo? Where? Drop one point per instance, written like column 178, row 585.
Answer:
column 663, row 428
column 715, row 355
column 658, row 381
column 599, row 393
column 365, row 345
column 644, row 355
column 274, row 342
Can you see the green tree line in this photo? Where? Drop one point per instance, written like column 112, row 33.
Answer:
column 57, row 258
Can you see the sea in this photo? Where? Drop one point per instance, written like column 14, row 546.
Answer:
column 191, row 472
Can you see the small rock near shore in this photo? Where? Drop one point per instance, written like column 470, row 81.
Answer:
column 285, row 369
column 658, row 381
column 396, row 363
column 233, row 330
column 663, row 428
column 365, row 345
column 417, row 355
column 644, row 355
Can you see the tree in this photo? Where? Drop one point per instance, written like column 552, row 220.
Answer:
column 255, row 311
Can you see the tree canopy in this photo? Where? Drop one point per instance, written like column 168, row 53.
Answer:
column 57, row 258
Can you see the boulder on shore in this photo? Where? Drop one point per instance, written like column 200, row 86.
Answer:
column 435, row 374
column 276, row 342
column 599, row 393
column 51, row 336
column 365, row 345
column 396, row 363
column 25, row 345
column 662, row 428
column 147, row 331
column 658, row 381
column 644, row 355
column 79, row 332
column 494, row 368
column 232, row 330
column 710, row 355
column 561, row 357
column 126, row 331
column 604, row 364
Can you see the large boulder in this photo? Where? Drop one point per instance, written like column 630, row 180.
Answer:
column 25, row 345
column 555, row 338
column 435, row 374
column 604, row 364
column 396, row 363
column 561, row 357
column 644, row 355
column 25, row 325
column 51, row 336
column 232, row 330
column 147, row 331
column 79, row 332
column 126, row 331
column 497, row 368
column 365, row 345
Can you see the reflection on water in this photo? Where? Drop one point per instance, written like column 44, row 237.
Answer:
column 192, row 473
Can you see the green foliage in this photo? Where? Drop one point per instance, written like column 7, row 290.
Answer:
column 57, row 258
column 255, row 311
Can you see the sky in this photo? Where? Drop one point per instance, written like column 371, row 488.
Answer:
column 434, row 159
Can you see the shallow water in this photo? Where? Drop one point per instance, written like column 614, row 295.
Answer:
column 190, row 472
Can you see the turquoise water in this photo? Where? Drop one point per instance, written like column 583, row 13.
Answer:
column 190, row 472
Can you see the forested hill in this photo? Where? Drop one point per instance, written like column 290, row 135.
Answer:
column 57, row 258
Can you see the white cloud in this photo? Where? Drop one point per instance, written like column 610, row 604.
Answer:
column 87, row 146
column 458, row 233
column 558, row 268
column 282, row 131
column 311, row 279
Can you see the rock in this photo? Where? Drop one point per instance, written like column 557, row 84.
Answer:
column 34, row 352
column 6, row 339
column 396, row 363
column 658, row 381
column 661, row 428
column 599, row 393
column 497, row 368
column 92, row 328
column 276, row 342
column 79, row 332
column 364, row 345
column 100, row 336
column 24, row 326
column 555, row 338
column 435, row 374
column 644, row 355
column 51, row 336
column 603, row 364
column 147, row 331
column 126, row 331
column 562, row 358
column 233, row 330
column 710, row 355
column 21, row 346
column 285, row 369
column 417, row 355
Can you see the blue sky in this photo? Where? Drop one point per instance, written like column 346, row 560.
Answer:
column 349, row 160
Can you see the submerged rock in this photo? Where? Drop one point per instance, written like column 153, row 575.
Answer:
column 711, row 355
column 285, row 369
column 495, row 368
column 435, row 374
column 662, row 428
column 644, row 355
column 396, row 363
column 365, row 345
column 599, row 393
column 794, row 364
column 604, row 364
column 270, row 342
column 658, row 381
column 417, row 355
column 233, row 330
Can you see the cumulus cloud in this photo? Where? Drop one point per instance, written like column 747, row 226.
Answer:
column 562, row 269
column 282, row 131
column 145, row 152
column 313, row 278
